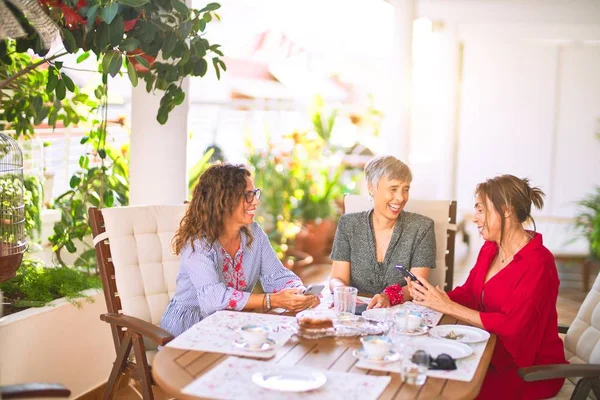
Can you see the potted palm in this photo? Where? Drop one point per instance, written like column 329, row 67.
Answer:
column 588, row 222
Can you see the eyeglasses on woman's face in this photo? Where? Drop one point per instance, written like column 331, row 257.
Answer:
column 251, row 194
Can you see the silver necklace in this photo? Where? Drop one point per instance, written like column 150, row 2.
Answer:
column 527, row 239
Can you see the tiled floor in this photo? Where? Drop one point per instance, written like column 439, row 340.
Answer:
column 568, row 304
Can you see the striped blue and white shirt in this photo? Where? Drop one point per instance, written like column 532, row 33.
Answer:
column 210, row 280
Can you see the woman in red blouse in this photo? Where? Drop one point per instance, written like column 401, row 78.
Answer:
column 511, row 291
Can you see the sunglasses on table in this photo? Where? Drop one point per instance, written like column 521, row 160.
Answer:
column 251, row 194
column 442, row 362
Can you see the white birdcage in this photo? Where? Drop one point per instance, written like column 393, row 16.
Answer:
column 12, row 208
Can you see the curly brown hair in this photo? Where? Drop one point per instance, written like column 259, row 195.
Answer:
column 217, row 194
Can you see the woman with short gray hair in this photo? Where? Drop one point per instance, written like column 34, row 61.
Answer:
column 368, row 245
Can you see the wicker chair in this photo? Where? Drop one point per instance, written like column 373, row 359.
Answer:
column 582, row 350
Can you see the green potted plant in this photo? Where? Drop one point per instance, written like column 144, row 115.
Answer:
column 275, row 172
column 35, row 285
column 588, row 221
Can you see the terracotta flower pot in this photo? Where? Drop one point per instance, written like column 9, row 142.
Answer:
column 9, row 265
column 316, row 238
column 295, row 259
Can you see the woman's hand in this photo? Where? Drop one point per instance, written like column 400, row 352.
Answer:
column 379, row 301
column 293, row 300
column 429, row 296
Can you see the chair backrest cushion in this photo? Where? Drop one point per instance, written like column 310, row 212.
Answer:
column 582, row 343
column 145, row 264
column 438, row 210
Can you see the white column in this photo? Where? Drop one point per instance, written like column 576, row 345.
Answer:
column 396, row 127
column 157, row 170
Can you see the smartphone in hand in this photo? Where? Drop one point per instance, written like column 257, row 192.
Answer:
column 360, row 308
column 407, row 274
column 315, row 290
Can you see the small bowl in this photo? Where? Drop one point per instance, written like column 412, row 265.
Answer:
column 255, row 335
column 377, row 346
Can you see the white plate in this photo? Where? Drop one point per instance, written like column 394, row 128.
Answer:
column 266, row 346
column 436, row 347
column 286, row 380
column 378, row 314
column 470, row 334
column 390, row 357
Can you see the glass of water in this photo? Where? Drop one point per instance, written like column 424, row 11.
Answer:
column 415, row 368
column 344, row 302
column 399, row 319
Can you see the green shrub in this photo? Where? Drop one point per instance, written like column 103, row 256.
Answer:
column 36, row 283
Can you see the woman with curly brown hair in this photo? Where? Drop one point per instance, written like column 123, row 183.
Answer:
column 224, row 253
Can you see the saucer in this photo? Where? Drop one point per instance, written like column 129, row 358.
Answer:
column 390, row 357
column 417, row 332
column 266, row 346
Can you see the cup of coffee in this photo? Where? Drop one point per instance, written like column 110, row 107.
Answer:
column 254, row 335
column 377, row 346
column 413, row 321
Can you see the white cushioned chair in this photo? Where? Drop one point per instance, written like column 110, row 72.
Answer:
column 443, row 213
column 582, row 350
column 138, row 270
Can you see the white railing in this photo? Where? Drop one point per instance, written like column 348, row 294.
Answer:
column 55, row 154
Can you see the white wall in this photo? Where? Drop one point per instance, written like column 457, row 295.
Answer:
column 59, row 343
column 528, row 104
column 506, row 118
column 577, row 162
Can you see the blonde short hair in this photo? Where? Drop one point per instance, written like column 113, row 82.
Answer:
column 386, row 167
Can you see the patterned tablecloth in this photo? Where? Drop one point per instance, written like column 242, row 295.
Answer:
column 466, row 367
column 232, row 379
column 218, row 333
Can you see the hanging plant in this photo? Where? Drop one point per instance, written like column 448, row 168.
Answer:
column 158, row 41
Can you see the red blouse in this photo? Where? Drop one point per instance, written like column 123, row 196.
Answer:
column 518, row 304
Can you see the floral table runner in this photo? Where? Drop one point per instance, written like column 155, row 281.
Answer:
column 232, row 379
column 218, row 332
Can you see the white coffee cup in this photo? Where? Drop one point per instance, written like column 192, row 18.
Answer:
column 413, row 321
column 377, row 346
column 254, row 335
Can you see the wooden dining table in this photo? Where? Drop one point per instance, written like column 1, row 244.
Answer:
column 173, row 369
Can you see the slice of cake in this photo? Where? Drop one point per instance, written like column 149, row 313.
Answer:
column 315, row 319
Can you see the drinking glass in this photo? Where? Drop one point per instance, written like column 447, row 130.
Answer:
column 344, row 302
column 415, row 368
column 399, row 317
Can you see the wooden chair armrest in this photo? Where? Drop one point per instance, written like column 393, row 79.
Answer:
column 562, row 329
column 36, row 390
column 146, row 329
column 543, row 372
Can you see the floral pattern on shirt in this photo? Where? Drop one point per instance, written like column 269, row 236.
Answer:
column 233, row 275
